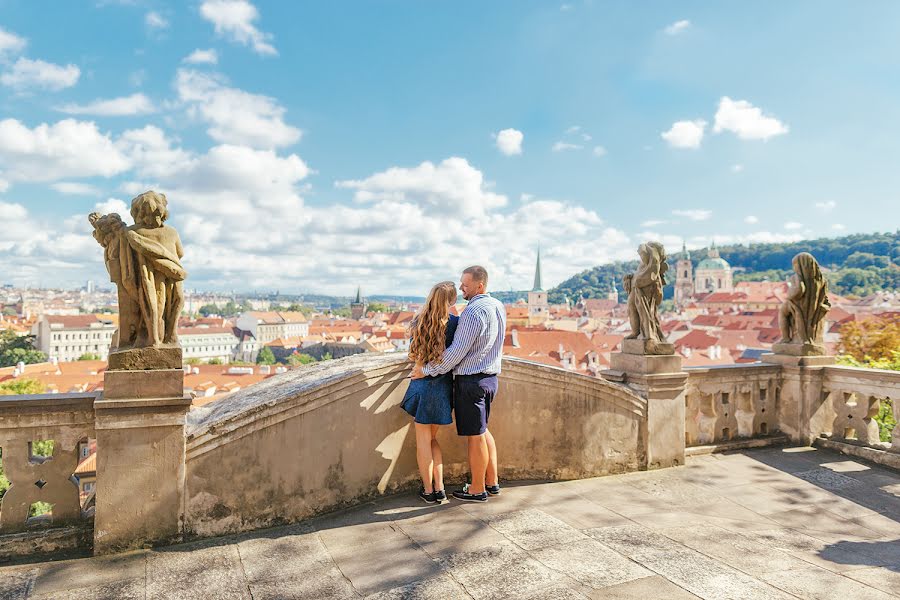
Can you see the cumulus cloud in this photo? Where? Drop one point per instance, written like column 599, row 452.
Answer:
column 234, row 116
column 202, row 57
column 27, row 74
column 74, row 188
column 685, row 134
column 10, row 43
column 68, row 148
column 509, row 141
column 233, row 20
column 746, row 121
column 563, row 146
column 154, row 20
column 678, row 27
column 135, row 104
column 826, row 206
column 838, row 227
column 751, row 220
column 599, row 151
column 793, row 225
column 694, row 214
column 652, row 223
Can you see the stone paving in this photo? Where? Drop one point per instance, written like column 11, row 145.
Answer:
column 770, row 523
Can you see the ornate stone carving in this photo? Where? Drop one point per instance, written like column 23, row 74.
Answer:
column 645, row 293
column 802, row 316
column 144, row 261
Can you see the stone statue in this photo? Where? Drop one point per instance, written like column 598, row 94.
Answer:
column 645, row 293
column 144, row 261
column 802, row 316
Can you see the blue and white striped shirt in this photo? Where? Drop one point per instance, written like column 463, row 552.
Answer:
column 478, row 344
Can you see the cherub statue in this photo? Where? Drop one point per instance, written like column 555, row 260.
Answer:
column 802, row 316
column 645, row 293
column 144, row 261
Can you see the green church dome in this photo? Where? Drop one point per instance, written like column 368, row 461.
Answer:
column 714, row 264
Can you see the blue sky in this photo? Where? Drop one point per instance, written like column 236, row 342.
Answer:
column 314, row 146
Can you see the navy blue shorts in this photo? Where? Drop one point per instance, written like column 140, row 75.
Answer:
column 472, row 399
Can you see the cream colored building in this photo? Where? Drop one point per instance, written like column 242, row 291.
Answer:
column 69, row 337
column 269, row 326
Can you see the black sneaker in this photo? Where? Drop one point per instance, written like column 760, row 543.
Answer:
column 493, row 490
column 467, row 497
column 440, row 496
column 429, row 498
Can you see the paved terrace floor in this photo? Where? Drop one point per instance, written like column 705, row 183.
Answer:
column 771, row 523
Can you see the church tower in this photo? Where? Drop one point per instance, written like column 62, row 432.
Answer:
column 684, row 278
column 357, row 307
column 538, row 308
column 613, row 293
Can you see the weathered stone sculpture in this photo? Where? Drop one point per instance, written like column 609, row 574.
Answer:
column 144, row 261
column 645, row 293
column 802, row 316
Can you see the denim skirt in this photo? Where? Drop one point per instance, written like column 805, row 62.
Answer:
column 430, row 400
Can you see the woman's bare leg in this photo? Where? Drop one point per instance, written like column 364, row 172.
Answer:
column 438, row 459
column 424, row 456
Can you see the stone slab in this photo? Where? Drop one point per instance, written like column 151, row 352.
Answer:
column 153, row 383
column 191, row 571
column 591, row 563
column 384, row 565
column 141, row 359
column 644, row 589
column 647, row 347
column 499, row 571
column 799, row 349
column 532, row 529
column 84, row 573
column 797, row 361
column 813, row 583
column 130, row 589
column 645, row 364
column 442, row 587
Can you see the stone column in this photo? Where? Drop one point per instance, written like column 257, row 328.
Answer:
column 660, row 380
column 140, row 458
column 801, row 412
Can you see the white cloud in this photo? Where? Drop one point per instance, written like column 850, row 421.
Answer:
column 135, row 104
column 154, row 20
column 112, row 205
column 68, row 148
column 694, row 214
column 451, row 187
column 751, row 220
column 27, row 74
column 826, row 206
column 75, row 189
column 138, row 77
column 737, row 168
column 4, row 185
column 652, row 223
column 233, row 19
column 234, row 116
column 793, row 225
column 509, row 141
column 685, row 134
column 838, row 227
column 599, row 151
column 678, row 27
column 202, row 57
column 563, row 146
column 10, row 43
column 746, row 121
column 565, row 7
column 573, row 129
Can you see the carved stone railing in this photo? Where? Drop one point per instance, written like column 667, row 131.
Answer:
column 333, row 434
column 67, row 419
column 731, row 402
column 851, row 398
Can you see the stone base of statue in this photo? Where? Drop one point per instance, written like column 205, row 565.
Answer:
column 647, row 347
column 795, row 360
column 144, row 359
column 796, row 349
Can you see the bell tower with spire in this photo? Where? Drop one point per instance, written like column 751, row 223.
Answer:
column 358, row 307
column 538, row 308
column 684, row 279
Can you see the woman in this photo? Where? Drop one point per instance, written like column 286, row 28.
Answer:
column 429, row 400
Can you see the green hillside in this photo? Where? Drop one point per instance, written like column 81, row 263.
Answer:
column 856, row 265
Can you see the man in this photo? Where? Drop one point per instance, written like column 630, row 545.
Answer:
column 474, row 357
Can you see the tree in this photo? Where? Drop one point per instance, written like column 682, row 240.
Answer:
column 214, row 361
column 378, row 307
column 871, row 340
column 300, row 359
column 89, row 356
column 208, row 309
column 21, row 387
column 265, row 356
column 15, row 349
column 343, row 311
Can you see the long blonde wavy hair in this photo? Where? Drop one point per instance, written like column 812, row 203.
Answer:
column 429, row 329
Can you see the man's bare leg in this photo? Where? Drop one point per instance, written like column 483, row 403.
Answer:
column 490, row 475
column 478, row 461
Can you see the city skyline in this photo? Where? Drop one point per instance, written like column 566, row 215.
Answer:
column 301, row 149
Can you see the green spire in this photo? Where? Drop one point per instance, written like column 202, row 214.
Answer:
column 684, row 252
column 537, row 273
column 358, row 295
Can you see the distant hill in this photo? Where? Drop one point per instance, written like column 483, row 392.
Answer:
column 858, row 264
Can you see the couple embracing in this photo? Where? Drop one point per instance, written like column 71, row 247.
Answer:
column 457, row 363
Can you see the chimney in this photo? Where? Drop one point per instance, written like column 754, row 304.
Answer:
column 514, row 335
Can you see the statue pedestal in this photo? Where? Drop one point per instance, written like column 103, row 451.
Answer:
column 660, row 380
column 647, row 347
column 145, row 359
column 140, row 459
column 794, row 349
column 802, row 377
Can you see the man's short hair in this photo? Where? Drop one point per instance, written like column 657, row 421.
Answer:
column 478, row 273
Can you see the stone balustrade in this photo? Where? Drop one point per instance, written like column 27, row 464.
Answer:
column 731, row 402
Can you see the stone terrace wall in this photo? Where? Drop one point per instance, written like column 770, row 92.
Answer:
column 726, row 403
column 333, row 435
